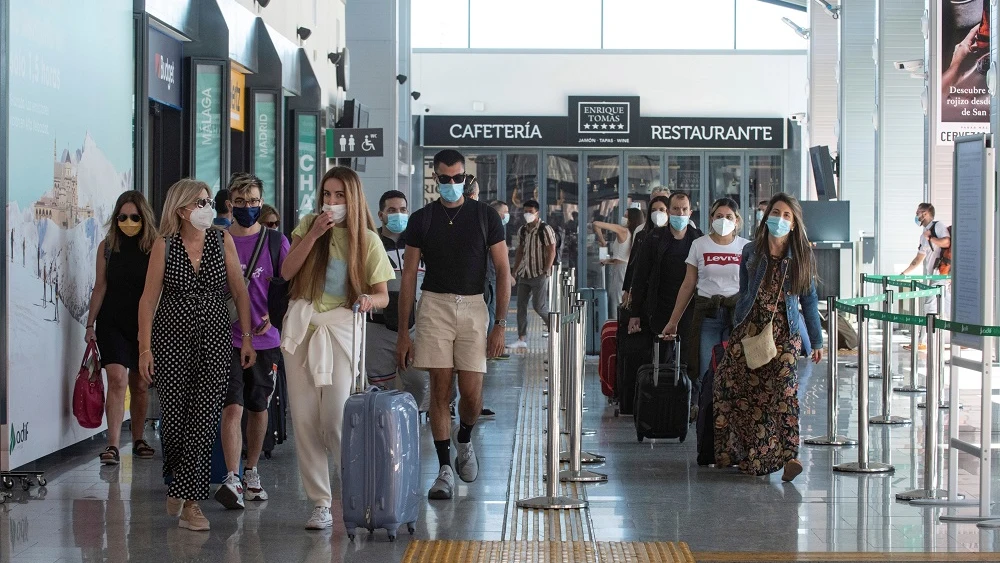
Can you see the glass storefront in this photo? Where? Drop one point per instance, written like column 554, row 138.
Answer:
column 602, row 184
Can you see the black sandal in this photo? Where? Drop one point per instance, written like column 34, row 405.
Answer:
column 110, row 456
column 142, row 450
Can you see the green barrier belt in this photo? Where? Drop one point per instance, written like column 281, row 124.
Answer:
column 570, row 318
column 878, row 279
column 902, row 284
column 974, row 330
column 921, row 286
column 918, row 294
column 846, row 307
column 896, row 318
column 868, row 300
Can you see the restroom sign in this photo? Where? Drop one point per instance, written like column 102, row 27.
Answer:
column 354, row 143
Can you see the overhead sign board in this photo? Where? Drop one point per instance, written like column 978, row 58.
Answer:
column 164, row 61
column 494, row 131
column 604, row 121
column 713, row 132
column 354, row 143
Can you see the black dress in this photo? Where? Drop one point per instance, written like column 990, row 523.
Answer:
column 118, row 320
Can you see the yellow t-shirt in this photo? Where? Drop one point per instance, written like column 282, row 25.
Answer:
column 377, row 266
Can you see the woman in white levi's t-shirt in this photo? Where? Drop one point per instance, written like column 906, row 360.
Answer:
column 713, row 271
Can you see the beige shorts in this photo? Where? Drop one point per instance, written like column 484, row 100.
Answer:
column 451, row 332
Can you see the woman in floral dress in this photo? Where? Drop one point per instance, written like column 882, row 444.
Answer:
column 757, row 410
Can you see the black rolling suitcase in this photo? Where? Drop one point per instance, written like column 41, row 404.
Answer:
column 706, row 410
column 663, row 397
column 277, row 412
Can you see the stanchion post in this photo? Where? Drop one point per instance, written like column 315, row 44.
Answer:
column 575, row 411
column 831, row 438
column 914, row 354
column 551, row 501
column 886, row 416
column 863, row 465
column 930, row 423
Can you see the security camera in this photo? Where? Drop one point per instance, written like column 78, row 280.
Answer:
column 915, row 65
column 415, row 95
column 798, row 117
column 427, row 109
column 401, row 78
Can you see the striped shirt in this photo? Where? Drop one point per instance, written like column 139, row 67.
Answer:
column 533, row 242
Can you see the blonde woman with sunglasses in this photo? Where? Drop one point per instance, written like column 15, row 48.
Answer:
column 186, row 348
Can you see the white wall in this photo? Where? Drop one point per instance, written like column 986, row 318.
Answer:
column 733, row 84
column 326, row 20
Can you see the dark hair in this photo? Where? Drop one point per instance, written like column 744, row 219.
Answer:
column 926, row 207
column 802, row 269
column 448, row 157
column 635, row 218
column 222, row 202
column 670, row 200
column 391, row 194
column 649, row 216
column 148, row 233
column 532, row 204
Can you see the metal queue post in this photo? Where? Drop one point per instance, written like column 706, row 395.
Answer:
column 575, row 473
column 863, row 465
column 886, row 417
column 831, row 438
column 943, row 404
column 913, row 387
column 551, row 500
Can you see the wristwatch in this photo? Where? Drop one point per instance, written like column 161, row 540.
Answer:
column 501, row 322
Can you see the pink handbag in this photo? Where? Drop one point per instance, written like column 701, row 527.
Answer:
column 88, row 393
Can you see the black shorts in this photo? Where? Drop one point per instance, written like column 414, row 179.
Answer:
column 252, row 388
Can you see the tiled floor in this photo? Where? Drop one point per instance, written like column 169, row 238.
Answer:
column 655, row 491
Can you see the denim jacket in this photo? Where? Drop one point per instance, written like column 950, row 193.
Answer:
column 750, row 283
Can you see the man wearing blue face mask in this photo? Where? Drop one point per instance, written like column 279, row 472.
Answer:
column 454, row 236
column 383, row 325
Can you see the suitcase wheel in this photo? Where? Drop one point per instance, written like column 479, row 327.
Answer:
column 639, row 437
column 617, row 411
column 411, row 528
column 682, row 438
column 392, row 537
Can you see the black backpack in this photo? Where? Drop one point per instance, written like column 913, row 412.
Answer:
column 277, row 288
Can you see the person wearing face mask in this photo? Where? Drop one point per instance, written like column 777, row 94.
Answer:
column 777, row 276
column 122, row 259
column 659, row 194
column 619, row 249
column 536, row 251
column 761, row 208
column 454, row 236
column 383, row 327
column 251, row 389
column 336, row 262
column 712, row 277
column 934, row 238
column 188, row 346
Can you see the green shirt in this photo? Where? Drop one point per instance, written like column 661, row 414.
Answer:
column 377, row 266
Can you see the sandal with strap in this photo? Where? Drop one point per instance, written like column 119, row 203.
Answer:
column 110, row 456
column 141, row 449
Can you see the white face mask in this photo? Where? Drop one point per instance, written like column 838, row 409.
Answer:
column 201, row 218
column 723, row 226
column 530, row 217
column 339, row 211
column 659, row 218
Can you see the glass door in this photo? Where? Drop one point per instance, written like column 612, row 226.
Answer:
column 562, row 197
column 765, row 177
column 643, row 177
column 520, row 185
column 603, row 199
column 486, row 169
column 684, row 174
column 725, row 179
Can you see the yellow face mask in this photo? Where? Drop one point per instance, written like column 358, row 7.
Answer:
column 130, row 227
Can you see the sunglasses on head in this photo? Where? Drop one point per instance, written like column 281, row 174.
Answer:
column 135, row 217
column 456, row 179
column 203, row 202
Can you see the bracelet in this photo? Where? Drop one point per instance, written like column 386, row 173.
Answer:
column 146, row 352
column 90, row 326
column 247, row 335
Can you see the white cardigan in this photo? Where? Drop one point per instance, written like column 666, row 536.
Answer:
column 328, row 345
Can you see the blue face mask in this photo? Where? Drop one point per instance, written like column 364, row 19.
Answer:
column 916, row 220
column 246, row 216
column 397, row 222
column 506, row 219
column 451, row 192
column 779, row 227
column 679, row 222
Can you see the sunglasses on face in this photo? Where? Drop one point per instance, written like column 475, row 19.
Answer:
column 272, row 224
column 240, row 202
column 456, row 179
column 200, row 203
column 135, row 217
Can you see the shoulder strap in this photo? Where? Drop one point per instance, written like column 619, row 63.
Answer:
column 425, row 220
column 274, row 249
column 166, row 250
column 484, row 223
column 256, row 254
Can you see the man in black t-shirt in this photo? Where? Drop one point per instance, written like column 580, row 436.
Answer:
column 453, row 236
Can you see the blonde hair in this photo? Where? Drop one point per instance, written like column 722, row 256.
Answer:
column 148, row 233
column 725, row 202
column 183, row 193
column 242, row 182
column 311, row 279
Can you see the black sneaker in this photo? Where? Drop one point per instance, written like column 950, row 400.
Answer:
column 487, row 413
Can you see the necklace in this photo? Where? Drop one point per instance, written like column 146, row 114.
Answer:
column 451, row 219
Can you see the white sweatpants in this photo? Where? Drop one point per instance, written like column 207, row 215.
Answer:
column 317, row 421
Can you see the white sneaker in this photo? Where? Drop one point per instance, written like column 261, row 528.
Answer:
column 230, row 494
column 545, row 334
column 444, row 485
column 466, row 462
column 320, row 519
column 519, row 344
column 251, row 485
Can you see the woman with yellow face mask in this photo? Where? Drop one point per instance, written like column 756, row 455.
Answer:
column 122, row 258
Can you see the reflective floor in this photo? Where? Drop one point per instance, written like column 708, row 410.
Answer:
column 655, row 491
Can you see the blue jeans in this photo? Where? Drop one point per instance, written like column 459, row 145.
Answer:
column 804, row 333
column 713, row 331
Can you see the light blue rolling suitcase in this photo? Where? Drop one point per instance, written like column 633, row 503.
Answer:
column 380, row 453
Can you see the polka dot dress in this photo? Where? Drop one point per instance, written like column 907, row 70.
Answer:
column 192, row 346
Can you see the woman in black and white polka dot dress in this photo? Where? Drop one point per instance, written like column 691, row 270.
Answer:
column 190, row 340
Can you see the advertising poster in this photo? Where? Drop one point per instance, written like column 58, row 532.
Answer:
column 964, row 47
column 70, row 155
column 265, row 138
column 208, row 124
column 306, row 127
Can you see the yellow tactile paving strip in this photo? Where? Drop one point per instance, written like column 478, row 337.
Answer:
column 421, row 551
column 528, row 465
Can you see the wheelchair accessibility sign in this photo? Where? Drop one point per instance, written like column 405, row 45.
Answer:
column 353, row 143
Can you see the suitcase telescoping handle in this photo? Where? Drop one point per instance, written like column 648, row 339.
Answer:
column 676, row 338
column 359, row 339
